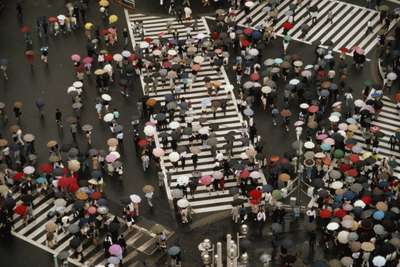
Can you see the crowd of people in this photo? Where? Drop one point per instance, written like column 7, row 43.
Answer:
column 352, row 181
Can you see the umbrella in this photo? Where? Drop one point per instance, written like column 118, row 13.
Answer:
column 157, row 228
column 28, row 170
column 148, row 189
column 112, row 19
column 75, row 242
column 21, row 209
column 112, row 142
column 332, row 226
column 76, row 57
column 379, row 261
column 183, row 203
column 206, row 180
column 287, row 25
column 174, row 251
column 135, row 198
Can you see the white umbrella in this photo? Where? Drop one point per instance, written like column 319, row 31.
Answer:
column 217, row 175
column 266, row 89
column 198, row 59
column 249, row 4
column 135, row 198
column 174, row 125
column 379, row 261
column 143, row 45
column 200, row 36
column 157, row 52
column 77, row 84
column 29, row 170
column 298, row 63
column 182, row 180
column 115, row 154
column 203, row 130
column 108, row 117
column 334, row 119
column 106, row 97
column 149, row 130
column 253, row 52
column 332, row 226
column 61, row 17
column 309, row 145
column 173, row 156
column 359, row 103
column 336, row 185
column 343, row 237
column 117, row 57
column 71, row 89
column 294, row 82
column 126, row 53
column 183, row 203
column 172, row 52
column 243, row 155
column 359, row 203
column 255, row 174
column 392, row 76
column 304, row 106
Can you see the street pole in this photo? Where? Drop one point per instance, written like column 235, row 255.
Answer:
column 219, row 254
column 299, row 130
column 55, row 260
column 228, row 247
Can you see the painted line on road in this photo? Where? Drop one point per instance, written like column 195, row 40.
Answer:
column 130, row 29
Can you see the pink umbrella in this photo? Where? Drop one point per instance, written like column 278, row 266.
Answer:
column 76, row 57
column 92, row 210
column 248, row 31
column 206, row 180
column 167, row 64
column 115, row 250
column 322, row 136
column 358, row 50
column 158, row 152
column 110, row 158
column 87, row 60
column 254, row 76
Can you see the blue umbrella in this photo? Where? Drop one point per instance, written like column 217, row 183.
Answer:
column 102, row 202
column 256, row 35
column 169, row 97
column 379, row 215
column 326, row 147
column 174, row 251
column 41, row 180
column 9, row 202
column 267, row 188
column 83, row 221
column 348, row 195
column 333, row 87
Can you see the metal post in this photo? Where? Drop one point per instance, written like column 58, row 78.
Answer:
column 55, row 260
column 219, row 254
column 299, row 130
column 228, row 246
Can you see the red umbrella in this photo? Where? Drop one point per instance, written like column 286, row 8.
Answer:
column 287, row 25
column 25, row 29
column 352, row 172
column 375, row 129
column 344, row 50
column 132, row 57
column 245, row 173
column 148, row 40
column 108, row 57
column 344, row 167
column 248, row 31
column 340, row 213
column 18, row 176
column 73, row 187
column 95, row 195
column 21, row 209
column 254, row 76
column 313, row 109
column 46, row 168
column 245, row 43
column 215, row 35
column 324, row 214
column 354, row 158
column 52, row 19
column 66, row 181
column 104, row 32
column 256, row 195
column 142, row 142
column 167, row 64
column 366, row 199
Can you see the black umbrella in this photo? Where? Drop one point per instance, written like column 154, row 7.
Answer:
column 93, row 152
column 58, row 172
column 75, row 242
column 238, row 202
column 9, row 202
column 78, row 205
column 27, row 199
column 97, row 174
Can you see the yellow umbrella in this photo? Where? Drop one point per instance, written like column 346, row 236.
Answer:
column 104, row 3
column 112, row 19
column 88, row 25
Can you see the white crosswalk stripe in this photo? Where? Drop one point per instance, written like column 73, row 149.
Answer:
column 388, row 120
column 349, row 27
column 139, row 239
column 203, row 201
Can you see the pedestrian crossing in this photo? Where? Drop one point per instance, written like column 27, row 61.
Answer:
column 348, row 27
column 388, row 120
column 141, row 242
column 203, row 201
column 154, row 27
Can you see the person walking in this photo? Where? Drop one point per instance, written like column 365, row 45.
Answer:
column 20, row 14
column 58, row 116
column 40, row 105
column 235, row 214
column 44, row 50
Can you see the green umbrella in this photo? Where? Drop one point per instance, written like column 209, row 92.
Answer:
column 277, row 194
column 287, row 38
column 383, row 8
column 338, row 154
